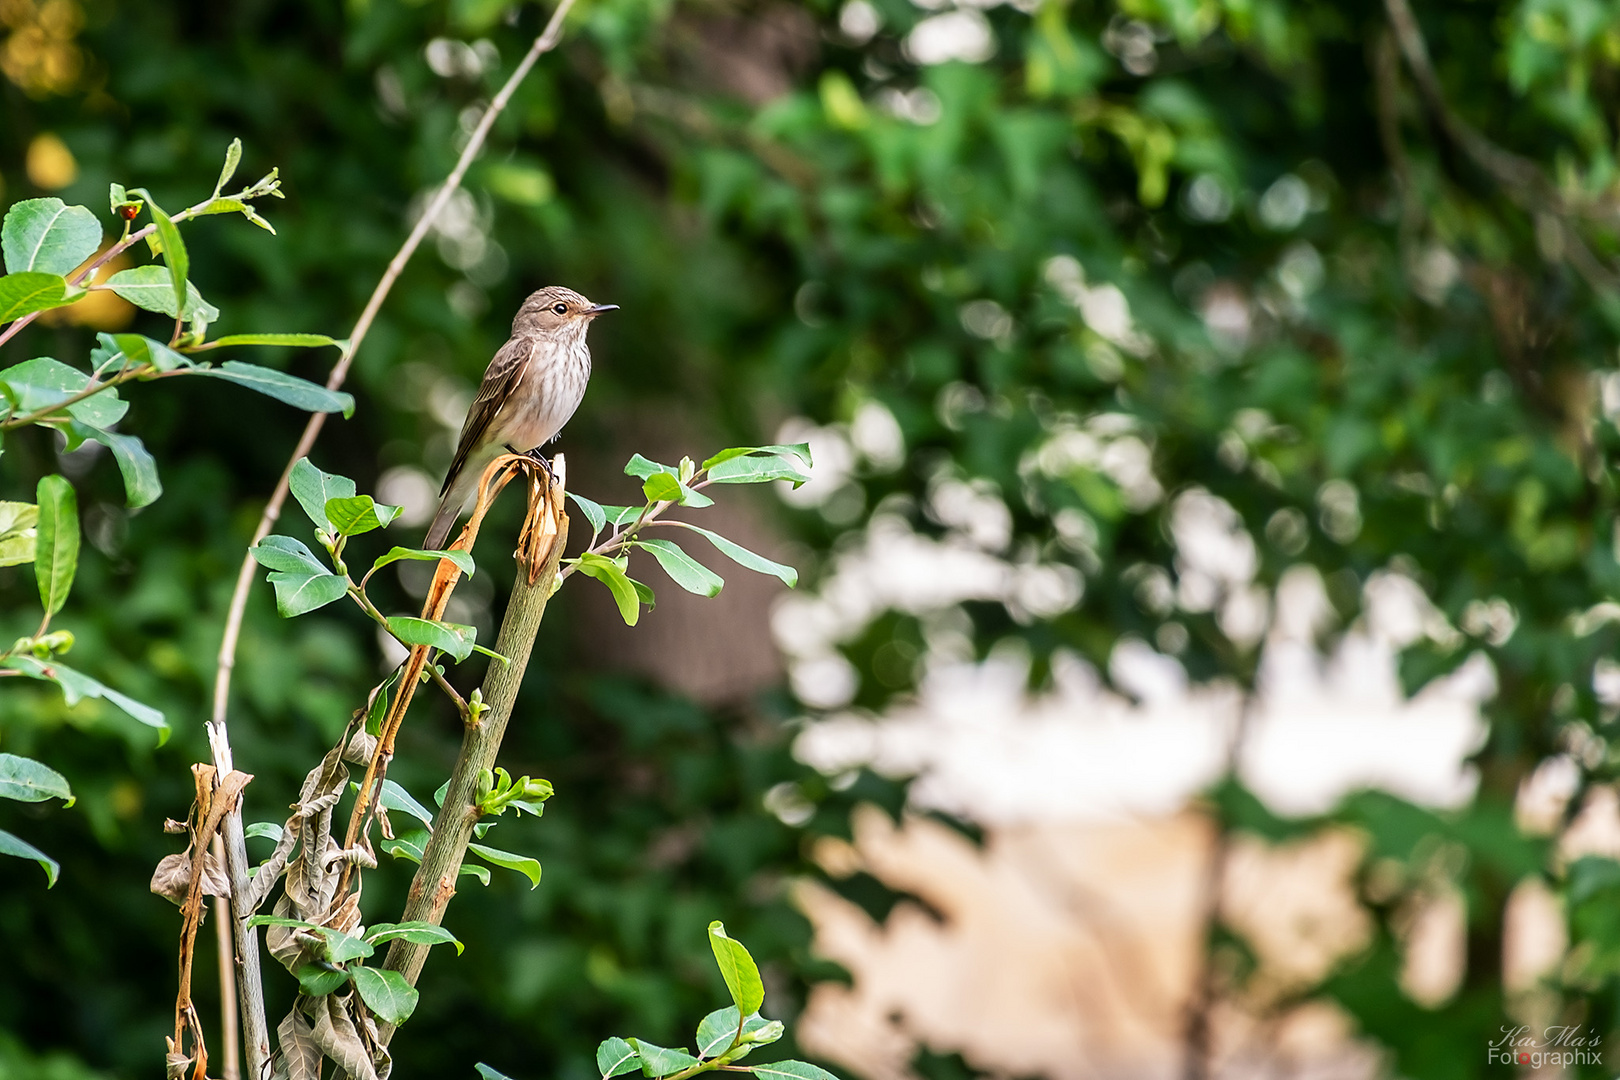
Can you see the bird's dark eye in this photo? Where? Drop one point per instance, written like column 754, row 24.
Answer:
column 561, row 309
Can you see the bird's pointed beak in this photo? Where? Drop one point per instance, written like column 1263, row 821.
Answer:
column 597, row 309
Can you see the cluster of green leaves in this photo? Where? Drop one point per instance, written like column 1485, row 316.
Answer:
column 26, row 780
column 335, row 956
column 723, row 1037
column 497, row 792
column 607, row 558
column 46, row 533
column 48, row 248
column 304, row 583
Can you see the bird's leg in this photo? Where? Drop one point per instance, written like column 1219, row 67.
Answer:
column 536, row 456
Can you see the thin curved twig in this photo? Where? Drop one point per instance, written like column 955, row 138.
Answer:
column 256, row 1041
column 1520, row 178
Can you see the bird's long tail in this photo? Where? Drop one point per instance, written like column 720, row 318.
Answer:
column 443, row 521
column 457, row 492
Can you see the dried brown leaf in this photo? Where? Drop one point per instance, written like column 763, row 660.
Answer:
column 172, row 878
column 300, row 1056
column 360, row 748
column 335, row 1033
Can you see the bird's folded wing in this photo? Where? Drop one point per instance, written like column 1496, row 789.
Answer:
column 501, row 381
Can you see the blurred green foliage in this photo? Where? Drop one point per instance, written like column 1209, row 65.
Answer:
column 1118, row 257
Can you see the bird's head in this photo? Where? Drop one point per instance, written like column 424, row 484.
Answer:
column 555, row 310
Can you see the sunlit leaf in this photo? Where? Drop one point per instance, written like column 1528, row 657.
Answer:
column 613, row 576
column 454, row 638
column 314, row 488
column 615, row 1056
column 355, row 514
column 462, row 559
column 31, row 291
column 151, row 288
column 738, row 969
column 27, row 780
column 418, row 933
column 56, row 544
column 529, row 868
column 658, row 1061
column 48, row 236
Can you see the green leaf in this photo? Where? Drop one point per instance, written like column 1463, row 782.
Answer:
column 684, row 570
column 233, row 158
column 136, row 464
column 747, row 559
column 117, row 198
column 296, row 341
column 302, row 584
column 356, row 514
column 151, row 288
column 613, row 576
column 18, row 528
column 529, row 868
column 27, row 780
column 268, row 829
column 592, row 510
column 56, row 546
column 226, row 205
column 385, row 993
column 314, row 488
column 758, row 470
column 666, row 487
column 453, row 638
column 31, row 291
column 299, row 393
column 377, row 710
column 76, row 686
column 287, row 554
column 42, row 382
column 137, row 350
column 738, row 969
column 488, row 1073
column 22, row 849
column 174, row 253
column 641, row 468
column 492, row 654
column 659, row 1061
column 615, row 1056
column 716, row 1031
column 408, row 846
column 800, row 451
column 462, row 559
column 418, row 933
column 341, row 947
column 318, row 981
column 48, row 236
column 662, row 487
column 792, row 1070
column 394, row 797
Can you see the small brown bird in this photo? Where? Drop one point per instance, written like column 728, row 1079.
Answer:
column 532, row 387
